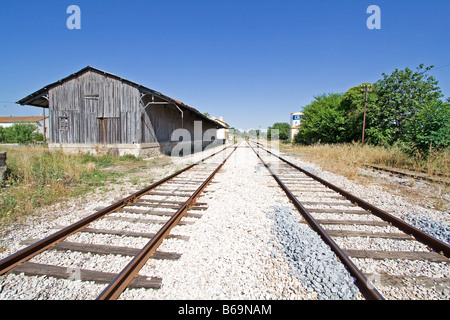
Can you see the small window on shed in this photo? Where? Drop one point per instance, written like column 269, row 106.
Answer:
column 63, row 123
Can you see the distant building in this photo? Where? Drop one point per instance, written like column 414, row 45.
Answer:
column 222, row 133
column 296, row 118
column 37, row 120
column 98, row 112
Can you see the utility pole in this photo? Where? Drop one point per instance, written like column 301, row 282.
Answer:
column 43, row 121
column 366, row 88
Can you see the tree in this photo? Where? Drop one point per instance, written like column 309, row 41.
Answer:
column 352, row 105
column 429, row 128
column 410, row 111
column 237, row 132
column 283, row 131
column 19, row 133
column 405, row 108
column 323, row 120
column 252, row 133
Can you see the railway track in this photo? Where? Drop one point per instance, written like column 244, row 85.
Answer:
column 159, row 207
column 441, row 179
column 357, row 231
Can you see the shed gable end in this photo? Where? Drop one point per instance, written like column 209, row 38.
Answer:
column 83, row 101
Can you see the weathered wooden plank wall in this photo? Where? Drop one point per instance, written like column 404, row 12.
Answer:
column 87, row 99
column 167, row 118
column 96, row 108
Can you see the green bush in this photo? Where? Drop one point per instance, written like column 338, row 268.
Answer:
column 20, row 133
column 410, row 111
column 283, row 131
column 404, row 109
column 323, row 121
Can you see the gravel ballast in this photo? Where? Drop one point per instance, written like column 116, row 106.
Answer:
column 248, row 244
column 310, row 259
column 237, row 250
column 434, row 222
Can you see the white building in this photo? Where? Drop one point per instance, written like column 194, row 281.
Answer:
column 37, row 120
column 222, row 133
column 296, row 118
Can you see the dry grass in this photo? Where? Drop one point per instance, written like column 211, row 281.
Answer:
column 37, row 177
column 346, row 159
column 38, row 167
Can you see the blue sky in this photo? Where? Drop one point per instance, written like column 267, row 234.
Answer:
column 251, row 62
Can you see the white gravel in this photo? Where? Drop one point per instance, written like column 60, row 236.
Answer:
column 50, row 219
column 230, row 251
column 434, row 222
column 246, row 245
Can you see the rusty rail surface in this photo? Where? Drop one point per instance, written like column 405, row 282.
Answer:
column 29, row 252
column 420, row 236
column 123, row 279
column 415, row 175
column 365, row 286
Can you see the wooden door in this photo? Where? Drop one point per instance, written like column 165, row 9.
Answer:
column 108, row 130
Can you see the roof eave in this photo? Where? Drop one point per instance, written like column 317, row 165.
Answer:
column 36, row 99
column 39, row 94
column 178, row 103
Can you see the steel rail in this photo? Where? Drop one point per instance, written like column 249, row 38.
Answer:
column 416, row 175
column 366, row 288
column 124, row 278
column 29, row 252
column 420, row 236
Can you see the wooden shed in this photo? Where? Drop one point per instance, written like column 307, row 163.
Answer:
column 96, row 111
